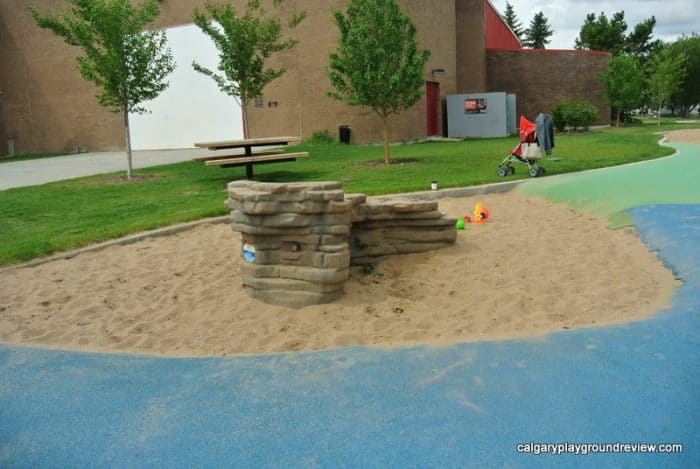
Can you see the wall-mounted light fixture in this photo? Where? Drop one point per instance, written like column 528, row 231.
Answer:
column 438, row 71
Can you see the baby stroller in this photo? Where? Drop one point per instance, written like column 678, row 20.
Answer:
column 527, row 152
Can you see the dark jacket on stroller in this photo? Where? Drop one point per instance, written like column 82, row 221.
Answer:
column 534, row 138
column 544, row 127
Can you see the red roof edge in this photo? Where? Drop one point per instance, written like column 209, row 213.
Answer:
column 575, row 51
column 503, row 21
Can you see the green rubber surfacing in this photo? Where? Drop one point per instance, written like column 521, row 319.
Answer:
column 608, row 192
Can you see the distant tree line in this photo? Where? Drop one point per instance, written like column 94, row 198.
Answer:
column 643, row 73
column 537, row 36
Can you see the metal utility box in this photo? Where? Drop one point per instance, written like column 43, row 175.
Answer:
column 480, row 115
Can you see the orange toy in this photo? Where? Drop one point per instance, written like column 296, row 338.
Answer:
column 481, row 214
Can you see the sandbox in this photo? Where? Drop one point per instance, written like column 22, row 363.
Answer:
column 533, row 268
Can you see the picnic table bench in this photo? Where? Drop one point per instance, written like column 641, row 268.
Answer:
column 248, row 158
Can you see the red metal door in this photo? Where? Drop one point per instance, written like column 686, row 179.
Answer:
column 432, row 94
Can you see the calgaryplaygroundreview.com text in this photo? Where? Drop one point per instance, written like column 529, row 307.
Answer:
column 592, row 448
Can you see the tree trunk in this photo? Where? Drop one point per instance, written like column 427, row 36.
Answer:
column 244, row 115
column 658, row 117
column 127, row 132
column 387, row 154
column 617, row 122
column 245, row 122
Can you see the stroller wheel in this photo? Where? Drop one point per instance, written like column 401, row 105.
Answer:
column 542, row 171
column 534, row 172
column 511, row 170
column 502, row 171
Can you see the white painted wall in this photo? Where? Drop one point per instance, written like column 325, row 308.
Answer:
column 192, row 109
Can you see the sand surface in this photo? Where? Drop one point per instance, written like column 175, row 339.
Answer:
column 684, row 136
column 533, row 268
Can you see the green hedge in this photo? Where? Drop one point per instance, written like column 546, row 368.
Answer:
column 574, row 115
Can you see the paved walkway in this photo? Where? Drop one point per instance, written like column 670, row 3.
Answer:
column 41, row 171
column 467, row 405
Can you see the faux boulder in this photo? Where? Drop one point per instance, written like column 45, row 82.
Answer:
column 386, row 227
column 299, row 239
column 294, row 240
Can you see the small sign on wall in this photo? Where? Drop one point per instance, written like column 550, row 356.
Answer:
column 475, row 106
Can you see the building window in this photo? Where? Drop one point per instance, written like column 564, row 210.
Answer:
column 258, row 101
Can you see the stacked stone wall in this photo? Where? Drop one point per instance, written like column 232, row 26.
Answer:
column 296, row 237
column 382, row 228
column 299, row 239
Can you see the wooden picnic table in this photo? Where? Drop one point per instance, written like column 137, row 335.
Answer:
column 248, row 158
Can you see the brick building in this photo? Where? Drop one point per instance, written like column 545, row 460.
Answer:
column 46, row 106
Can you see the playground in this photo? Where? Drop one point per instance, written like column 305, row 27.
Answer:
column 541, row 326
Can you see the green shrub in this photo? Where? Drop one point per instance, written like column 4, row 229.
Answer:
column 574, row 115
column 583, row 115
column 559, row 116
column 321, row 137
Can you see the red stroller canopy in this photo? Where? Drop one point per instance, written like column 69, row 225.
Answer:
column 528, row 134
column 527, row 130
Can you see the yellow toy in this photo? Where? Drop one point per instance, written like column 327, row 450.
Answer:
column 481, row 214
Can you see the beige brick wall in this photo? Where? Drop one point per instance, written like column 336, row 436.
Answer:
column 303, row 105
column 471, row 56
column 45, row 104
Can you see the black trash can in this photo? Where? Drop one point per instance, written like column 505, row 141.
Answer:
column 344, row 134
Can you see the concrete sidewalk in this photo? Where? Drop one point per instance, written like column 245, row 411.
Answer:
column 44, row 170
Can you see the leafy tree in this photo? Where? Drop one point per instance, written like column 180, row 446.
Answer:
column 602, row 34
column 377, row 63
column 611, row 36
column 123, row 58
column 512, row 20
column 539, row 32
column 688, row 95
column 666, row 76
column 639, row 44
column 244, row 42
column 623, row 84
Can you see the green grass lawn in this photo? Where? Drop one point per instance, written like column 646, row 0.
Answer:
column 40, row 220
